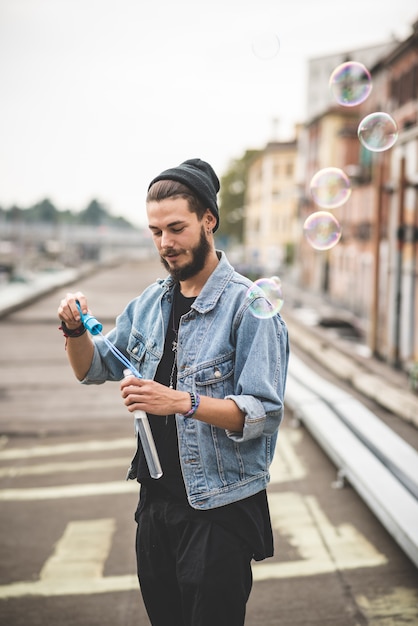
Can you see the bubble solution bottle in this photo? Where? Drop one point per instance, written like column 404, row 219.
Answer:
column 142, row 427
column 143, row 430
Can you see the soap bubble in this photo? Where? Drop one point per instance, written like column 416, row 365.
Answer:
column 330, row 187
column 266, row 45
column 378, row 132
column 270, row 297
column 322, row 230
column 350, row 83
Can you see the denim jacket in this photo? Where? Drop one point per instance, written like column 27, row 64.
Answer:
column 223, row 351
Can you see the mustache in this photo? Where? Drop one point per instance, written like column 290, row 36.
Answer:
column 169, row 251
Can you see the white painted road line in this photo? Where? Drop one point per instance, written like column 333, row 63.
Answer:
column 70, row 491
column 60, row 468
column 286, row 466
column 67, row 448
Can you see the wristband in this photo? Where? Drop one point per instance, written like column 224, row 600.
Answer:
column 195, row 399
column 67, row 332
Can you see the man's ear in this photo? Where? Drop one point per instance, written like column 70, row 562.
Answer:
column 209, row 220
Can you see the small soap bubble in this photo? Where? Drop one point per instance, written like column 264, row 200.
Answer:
column 322, row 230
column 350, row 83
column 266, row 297
column 266, row 45
column 330, row 188
column 378, row 132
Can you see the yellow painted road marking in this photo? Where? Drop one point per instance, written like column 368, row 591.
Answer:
column 400, row 606
column 322, row 548
column 81, row 552
column 286, row 463
column 76, row 569
column 76, row 566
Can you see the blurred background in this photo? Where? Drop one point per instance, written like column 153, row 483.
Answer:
column 308, row 112
column 99, row 97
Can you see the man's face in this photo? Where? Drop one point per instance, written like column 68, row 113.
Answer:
column 179, row 237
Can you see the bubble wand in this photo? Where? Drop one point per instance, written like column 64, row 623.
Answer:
column 142, row 427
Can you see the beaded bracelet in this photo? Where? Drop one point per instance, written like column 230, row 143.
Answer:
column 67, row 332
column 195, row 398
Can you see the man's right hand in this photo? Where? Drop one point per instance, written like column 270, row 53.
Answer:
column 68, row 311
column 79, row 347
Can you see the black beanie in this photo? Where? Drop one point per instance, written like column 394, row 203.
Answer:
column 198, row 176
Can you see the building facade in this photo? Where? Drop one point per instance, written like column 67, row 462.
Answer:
column 271, row 225
column 372, row 271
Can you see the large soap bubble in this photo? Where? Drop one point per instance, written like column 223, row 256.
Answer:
column 266, row 45
column 322, row 230
column 266, row 297
column 330, row 188
column 378, row 132
column 350, row 83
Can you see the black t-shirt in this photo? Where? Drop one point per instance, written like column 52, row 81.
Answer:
column 250, row 518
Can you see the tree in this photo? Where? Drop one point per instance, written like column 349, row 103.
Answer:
column 94, row 214
column 232, row 195
column 43, row 211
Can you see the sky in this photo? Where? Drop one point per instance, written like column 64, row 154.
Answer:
column 99, row 96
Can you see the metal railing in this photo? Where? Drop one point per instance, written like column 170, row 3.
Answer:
column 374, row 460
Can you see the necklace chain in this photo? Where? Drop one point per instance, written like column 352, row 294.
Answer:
column 174, row 343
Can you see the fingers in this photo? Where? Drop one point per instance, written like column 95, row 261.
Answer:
column 146, row 395
column 129, row 385
column 68, row 309
column 130, row 389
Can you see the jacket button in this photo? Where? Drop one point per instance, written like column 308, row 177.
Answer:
column 135, row 350
column 217, row 374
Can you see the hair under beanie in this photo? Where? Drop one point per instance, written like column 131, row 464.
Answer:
column 198, row 176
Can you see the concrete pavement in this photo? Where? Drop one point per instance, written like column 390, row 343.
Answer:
column 64, row 452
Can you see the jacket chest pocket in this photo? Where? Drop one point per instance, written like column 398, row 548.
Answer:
column 142, row 353
column 136, row 349
column 215, row 379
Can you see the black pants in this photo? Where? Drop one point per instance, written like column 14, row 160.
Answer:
column 192, row 572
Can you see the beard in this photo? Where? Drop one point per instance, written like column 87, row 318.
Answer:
column 199, row 255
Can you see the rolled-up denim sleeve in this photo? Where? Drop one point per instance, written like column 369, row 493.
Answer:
column 104, row 366
column 261, row 372
column 98, row 372
column 256, row 421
